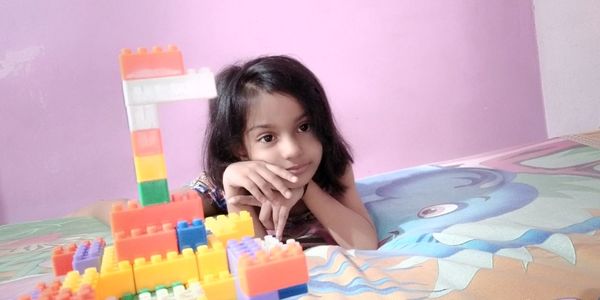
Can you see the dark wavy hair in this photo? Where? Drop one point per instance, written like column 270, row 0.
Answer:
column 238, row 83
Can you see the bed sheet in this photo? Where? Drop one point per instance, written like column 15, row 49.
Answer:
column 516, row 224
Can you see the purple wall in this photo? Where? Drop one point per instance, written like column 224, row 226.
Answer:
column 410, row 82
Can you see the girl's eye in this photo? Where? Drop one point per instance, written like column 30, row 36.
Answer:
column 304, row 127
column 266, row 138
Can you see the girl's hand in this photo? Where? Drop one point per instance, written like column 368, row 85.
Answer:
column 281, row 210
column 259, row 178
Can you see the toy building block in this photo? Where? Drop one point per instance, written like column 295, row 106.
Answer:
column 88, row 255
column 219, row 286
column 183, row 206
column 175, row 267
column 153, row 192
column 141, row 117
column 151, row 64
column 259, row 272
column 116, row 277
column 230, row 227
column 212, row 258
column 195, row 84
column 148, row 168
column 74, row 281
column 62, row 259
column 191, row 235
column 146, row 142
column 146, row 242
column 272, row 295
column 296, row 290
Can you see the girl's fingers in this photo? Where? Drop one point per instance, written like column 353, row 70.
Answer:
column 265, row 187
column 265, row 216
column 281, row 172
column 275, row 181
column 283, row 214
column 254, row 190
column 245, row 200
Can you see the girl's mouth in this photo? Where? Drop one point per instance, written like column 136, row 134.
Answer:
column 298, row 169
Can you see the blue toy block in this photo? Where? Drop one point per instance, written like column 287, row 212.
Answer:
column 88, row 255
column 235, row 249
column 292, row 291
column 191, row 235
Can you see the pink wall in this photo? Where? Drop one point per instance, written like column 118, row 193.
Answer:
column 410, row 82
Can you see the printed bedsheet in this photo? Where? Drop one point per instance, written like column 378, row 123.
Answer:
column 516, row 224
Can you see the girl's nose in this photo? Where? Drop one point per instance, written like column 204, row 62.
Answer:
column 291, row 148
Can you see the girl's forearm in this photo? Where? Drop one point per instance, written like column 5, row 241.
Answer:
column 348, row 228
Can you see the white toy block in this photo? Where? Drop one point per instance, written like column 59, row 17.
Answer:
column 142, row 117
column 193, row 85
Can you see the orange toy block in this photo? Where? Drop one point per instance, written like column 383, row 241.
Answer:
column 145, row 243
column 280, row 268
column 146, row 142
column 183, row 206
column 62, row 259
column 151, row 64
column 158, row 271
column 116, row 278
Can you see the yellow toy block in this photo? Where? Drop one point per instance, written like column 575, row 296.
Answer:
column 211, row 259
column 116, row 278
column 74, row 280
column 176, row 267
column 231, row 226
column 151, row 167
column 220, row 287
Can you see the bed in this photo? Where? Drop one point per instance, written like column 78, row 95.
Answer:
column 520, row 223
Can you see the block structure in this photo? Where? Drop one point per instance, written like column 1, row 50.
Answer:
column 149, row 78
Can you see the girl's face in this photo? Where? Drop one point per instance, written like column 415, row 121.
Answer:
column 279, row 132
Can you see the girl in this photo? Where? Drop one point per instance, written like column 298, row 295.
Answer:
column 273, row 149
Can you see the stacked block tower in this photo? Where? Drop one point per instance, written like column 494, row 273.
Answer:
column 163, row 246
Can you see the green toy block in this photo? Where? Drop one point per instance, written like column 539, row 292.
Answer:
column 153, row 192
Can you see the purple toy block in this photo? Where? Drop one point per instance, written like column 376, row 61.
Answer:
column 191, row 235
column 88, row 255
column 235, row 249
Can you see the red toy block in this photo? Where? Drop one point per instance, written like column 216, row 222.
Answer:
column 153, row 64
column 62, row 259
column 146, row 142
column 281, row 267
column 155, row 240
column 183, row 206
